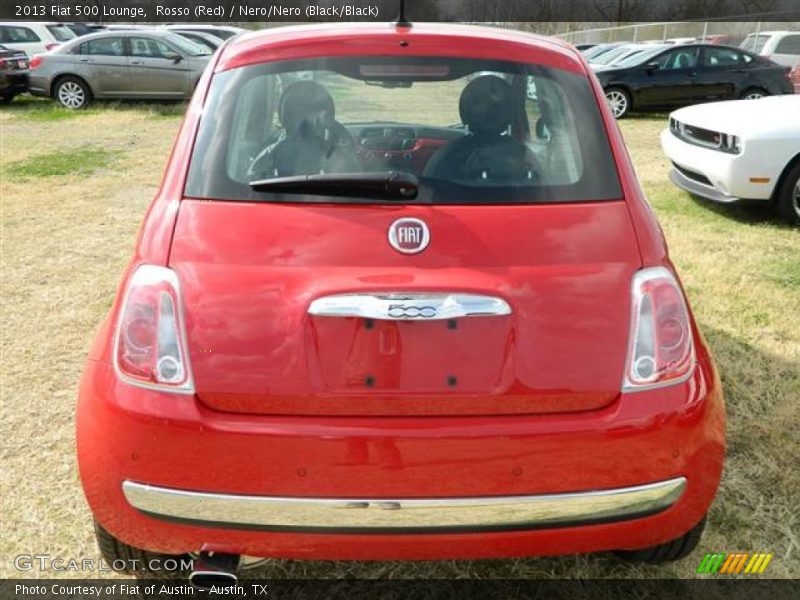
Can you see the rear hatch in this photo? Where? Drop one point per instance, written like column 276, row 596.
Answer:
column 564, row 271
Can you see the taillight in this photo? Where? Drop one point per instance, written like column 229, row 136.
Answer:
column 150, row 347
column 661, row 349
column 35, row 62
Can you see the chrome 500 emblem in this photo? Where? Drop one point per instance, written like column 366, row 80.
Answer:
column 405, row 311
column 409, row 236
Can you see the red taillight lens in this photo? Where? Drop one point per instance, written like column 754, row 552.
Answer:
column 661, row 348
column 3, row 63
column 150, row 348
column 36, row 61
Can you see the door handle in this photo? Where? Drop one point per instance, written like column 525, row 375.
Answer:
column 409, row 306
column 136, row 62
column 86, row 60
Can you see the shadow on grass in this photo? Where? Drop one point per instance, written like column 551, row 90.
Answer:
column 748, row 212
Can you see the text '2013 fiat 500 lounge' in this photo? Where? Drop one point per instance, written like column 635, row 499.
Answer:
column 388, row 304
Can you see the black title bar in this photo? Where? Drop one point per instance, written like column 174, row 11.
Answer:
column 498, row 11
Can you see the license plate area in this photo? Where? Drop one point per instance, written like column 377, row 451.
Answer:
column 371, row 356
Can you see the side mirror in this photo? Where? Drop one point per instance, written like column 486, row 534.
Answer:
column 173, row 56
column 653, row 66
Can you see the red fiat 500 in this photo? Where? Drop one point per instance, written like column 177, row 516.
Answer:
column 399, row 296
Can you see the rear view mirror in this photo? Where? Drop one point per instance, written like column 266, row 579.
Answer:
column 653, row 66
column 173, row 56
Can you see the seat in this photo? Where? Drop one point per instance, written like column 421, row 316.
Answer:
column 312, row 141
column 486, row 154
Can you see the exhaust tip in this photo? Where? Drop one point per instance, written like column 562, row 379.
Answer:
column 208, row 580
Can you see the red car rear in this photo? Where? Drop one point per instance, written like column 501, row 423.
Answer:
column 400, row 296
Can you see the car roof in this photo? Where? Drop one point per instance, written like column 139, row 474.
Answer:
column 30, row 23
column 372, row 39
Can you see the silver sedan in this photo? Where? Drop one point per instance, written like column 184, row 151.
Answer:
column 140, row 64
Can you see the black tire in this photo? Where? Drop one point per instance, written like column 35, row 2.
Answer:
column 6, row 99
column 139, row 563
column 754, row 92
column 72, row 92
column 787, row 198
column 619, row 100
column 667, row 552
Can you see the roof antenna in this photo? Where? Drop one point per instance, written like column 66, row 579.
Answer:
column 402, row 21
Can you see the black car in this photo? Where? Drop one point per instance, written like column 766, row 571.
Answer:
column 690, row 74
column 13, row 73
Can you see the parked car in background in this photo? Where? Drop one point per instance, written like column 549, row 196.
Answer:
column 600, row 49
column 223, row 32
column 618, row 54
column 13, row 73
column 689, row 74
column 80, row 29
column 782, row 47
column 739, row 150
column 147, row 64
column 34, row 37
column 795, row 77
column 723, row 39
column 207, row 40
column 350, row 334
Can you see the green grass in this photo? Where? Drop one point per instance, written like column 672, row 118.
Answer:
column 78, row 161
column 32, row 108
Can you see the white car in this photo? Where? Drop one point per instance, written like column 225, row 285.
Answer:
column 34, row 38
column 782, row 47
column 223, row 32
column 739, row 150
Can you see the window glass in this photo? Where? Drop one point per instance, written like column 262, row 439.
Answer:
column 61, row 33
column 471, row 131
column 722, row 57
column 788, row 45
column 683, row 58
column 149, row 48
column 17, row 35
column 110, row 46
column 754, row 43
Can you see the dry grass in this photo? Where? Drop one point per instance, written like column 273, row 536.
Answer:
column 65, row 239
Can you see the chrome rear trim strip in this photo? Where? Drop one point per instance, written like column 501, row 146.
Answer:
column 382, row 515
column 409, row 306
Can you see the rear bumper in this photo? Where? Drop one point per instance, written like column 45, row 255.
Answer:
column 393, row 515
column 13, row 83
column 639, row 472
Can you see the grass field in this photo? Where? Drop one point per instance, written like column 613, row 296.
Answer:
column 74, row 187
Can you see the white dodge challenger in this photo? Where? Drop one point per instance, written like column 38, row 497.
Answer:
column 739, row 150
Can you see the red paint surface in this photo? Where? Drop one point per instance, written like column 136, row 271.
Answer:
column 280, row 407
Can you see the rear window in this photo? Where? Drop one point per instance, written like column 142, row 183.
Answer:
column 471, row 131
column 61, row 33
column 17, row 35
column 754, row 43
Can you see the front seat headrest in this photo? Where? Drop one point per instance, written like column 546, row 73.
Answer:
column 486, row 105
column 306, row 106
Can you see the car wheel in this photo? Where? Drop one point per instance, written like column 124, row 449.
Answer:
column 619, row 101
column 754, row 94
column 72, row 93
column 787, row 202
column 6, row 99
column 668, row 551
column 140, row 563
